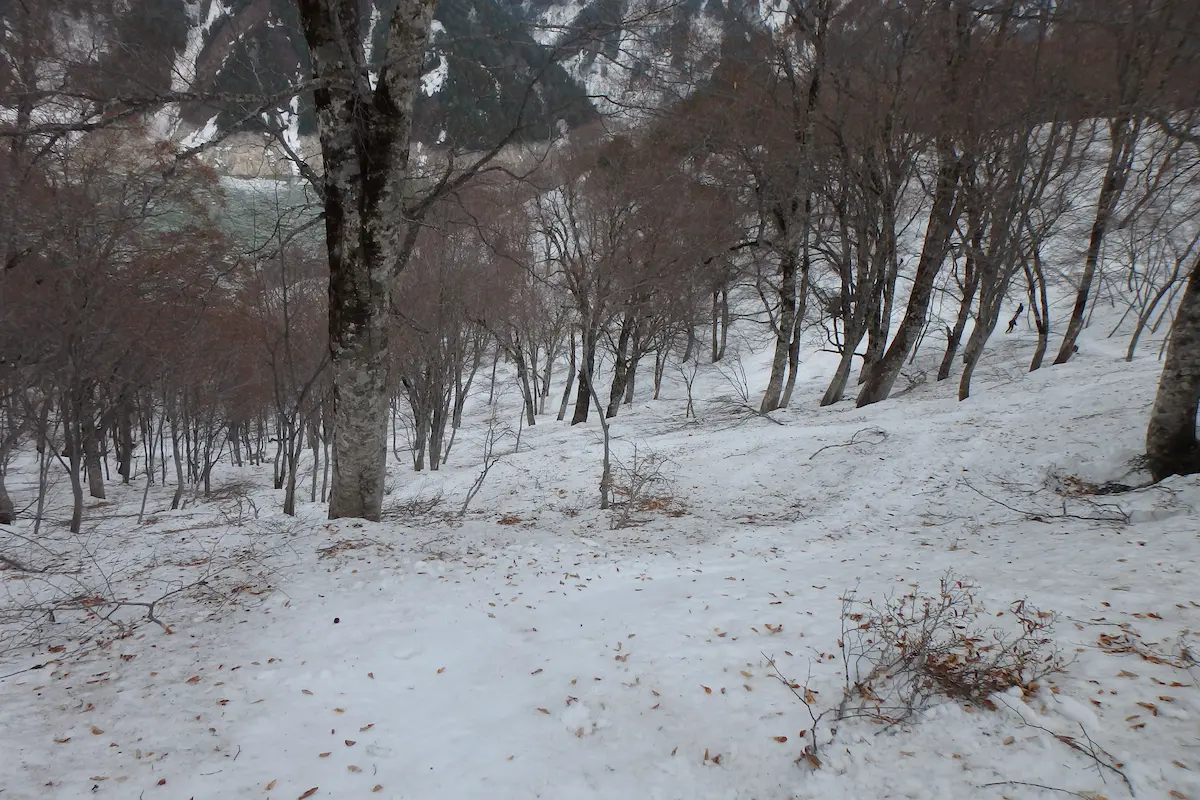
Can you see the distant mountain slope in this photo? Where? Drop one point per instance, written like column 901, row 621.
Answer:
column 482, row 60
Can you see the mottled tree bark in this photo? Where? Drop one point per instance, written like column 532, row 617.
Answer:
column 1171, row 446
column 365, row 134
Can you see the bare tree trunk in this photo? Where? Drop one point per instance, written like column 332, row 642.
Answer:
column 125, row 440
column 91, row 453
column 463, row 390
column 620, row 366
column 1168, row 288
column 942, row 215
column 437, row 435
column 235, row 443
column 492, row 386
column 421, row 435
column 720, row 323
column 586, row 370
column 1171, row 446
column 72, row 445
column 841, row 376
column 547, row 373
column 566, row 397
column 173, row 416
column 526, row 388
column 1124, row 133
column 314, row 439
column 326, row 435
column 631, row 378
column 8, row 512
column 294, row 447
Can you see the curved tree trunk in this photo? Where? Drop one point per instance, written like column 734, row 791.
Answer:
column 1171, row 446
column 1124, row 133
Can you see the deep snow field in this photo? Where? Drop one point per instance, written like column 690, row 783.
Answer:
column 529, row 650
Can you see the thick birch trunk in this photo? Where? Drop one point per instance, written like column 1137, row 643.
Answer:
column 1171, row 446
column 365, row 135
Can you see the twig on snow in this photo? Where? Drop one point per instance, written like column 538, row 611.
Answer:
column 807, row 698
column 1092, row 750
column 1038, row 786
column 1112, row 515
column 874, row 432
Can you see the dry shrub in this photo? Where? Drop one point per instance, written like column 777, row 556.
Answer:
column 642, row 486
column 509, row 519
column 415, row 507
column 902, row 653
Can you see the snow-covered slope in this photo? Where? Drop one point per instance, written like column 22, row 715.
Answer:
column 530, row 650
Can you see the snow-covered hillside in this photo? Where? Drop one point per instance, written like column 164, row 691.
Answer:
column 531, row 649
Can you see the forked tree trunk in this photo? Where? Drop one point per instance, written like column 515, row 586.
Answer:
column 1171, row 446
column 970, row 285
column 884, row 373
column 841, row 376
column 1039, row 304
column 365, row 134
column 784, row 330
